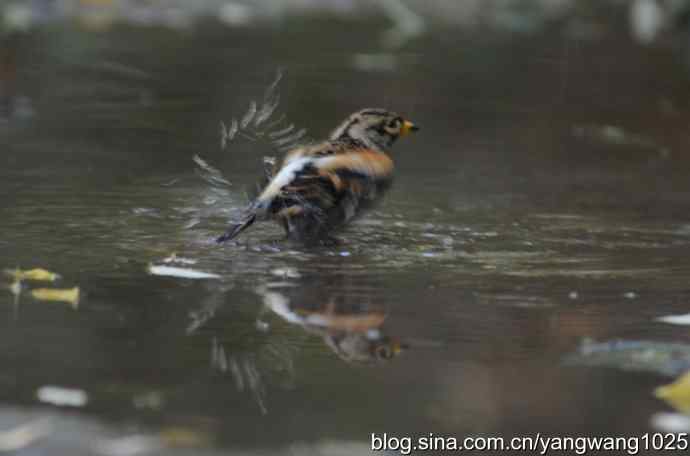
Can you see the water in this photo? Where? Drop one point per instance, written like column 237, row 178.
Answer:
column 544, row 201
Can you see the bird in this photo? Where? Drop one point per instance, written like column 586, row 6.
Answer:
column 319, row 188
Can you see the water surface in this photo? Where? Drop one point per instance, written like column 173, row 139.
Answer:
column 519, row 224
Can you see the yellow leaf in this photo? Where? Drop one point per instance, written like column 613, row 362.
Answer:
column 176, row 437
column 69, row 295
column 33, row 274
column 676, row 394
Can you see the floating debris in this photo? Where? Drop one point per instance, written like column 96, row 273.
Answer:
column 184, row 273
column 676, row 394
column 37, row 274
column 675, row 319
column 671, row 422
column 630, row 295
column 68, row 295
column 62, row 397
column 573, row 295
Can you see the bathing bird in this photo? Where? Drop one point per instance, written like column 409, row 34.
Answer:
column 319, row 188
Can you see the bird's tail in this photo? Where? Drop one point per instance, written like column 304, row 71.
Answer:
column 236, row 228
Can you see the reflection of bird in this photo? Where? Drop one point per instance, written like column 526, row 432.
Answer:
column 322, row 187
column 355, row 335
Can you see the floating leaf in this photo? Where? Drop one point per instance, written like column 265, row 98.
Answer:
column 184, row 273
column 676, row 394
column 33, row 274
column 69, row 295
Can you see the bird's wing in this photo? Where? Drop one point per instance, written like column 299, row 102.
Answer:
column 320, row 181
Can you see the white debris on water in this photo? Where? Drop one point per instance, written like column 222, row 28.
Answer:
column 573, row 295
column 670, row 422
column 185, row 273
column 62, row 397
column 630, row 295
column 675, row 319
column 289, row 273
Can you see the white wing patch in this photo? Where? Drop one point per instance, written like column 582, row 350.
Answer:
column 284, row 177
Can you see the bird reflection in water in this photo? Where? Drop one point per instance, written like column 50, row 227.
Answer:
column 257, row 349
column 352, row 331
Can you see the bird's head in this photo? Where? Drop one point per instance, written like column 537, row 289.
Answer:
column 374, row 128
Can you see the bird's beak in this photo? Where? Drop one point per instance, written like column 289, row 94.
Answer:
column 398, row 347
column 407, row 127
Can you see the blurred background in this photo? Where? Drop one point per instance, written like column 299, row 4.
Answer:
column 528, row 272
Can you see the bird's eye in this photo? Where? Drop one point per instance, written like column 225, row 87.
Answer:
column 395, row 123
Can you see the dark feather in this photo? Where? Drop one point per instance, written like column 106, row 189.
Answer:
column 235, row 229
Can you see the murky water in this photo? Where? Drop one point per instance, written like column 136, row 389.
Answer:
column 518, row 225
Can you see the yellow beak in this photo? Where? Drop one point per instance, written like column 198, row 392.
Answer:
column 407, row 127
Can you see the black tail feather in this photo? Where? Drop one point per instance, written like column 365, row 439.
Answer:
column 235, row 229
